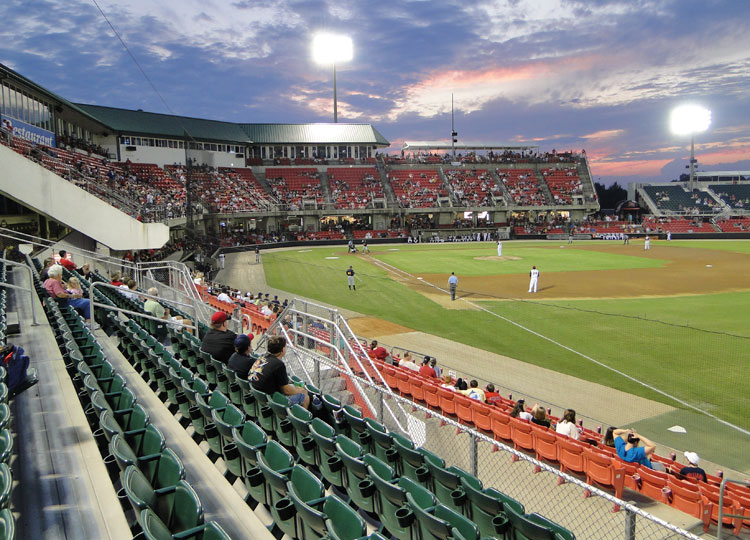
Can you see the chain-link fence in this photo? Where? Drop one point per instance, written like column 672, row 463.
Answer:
column 584, row 509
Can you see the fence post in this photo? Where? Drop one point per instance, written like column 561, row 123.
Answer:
column 629, row 525
column 473, row 454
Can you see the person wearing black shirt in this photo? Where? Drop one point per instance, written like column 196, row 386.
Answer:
column 219, row 341
column 268, row 374
column 240, row 361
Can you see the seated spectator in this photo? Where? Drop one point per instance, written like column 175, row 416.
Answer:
column 74, row 287
column 407, row 362
column 219, row 340
column 56, row 289
column 490, row 395
column 269, row 375
column 379, row 352
column 241, row 361
column 567, row 426
column 433, row 365
column 474, row 392
column 608, row 439
column 47, row 263
column 461, row 385
column 130, row 290
column 447, row 382
column 519, row 411
column 540, row 416
column 629, row 449
column 267, row 310
column 693, row 470
column 65, row 262
column 425, row 370
column 224, row 297
column 115, row 280
column 154, row 307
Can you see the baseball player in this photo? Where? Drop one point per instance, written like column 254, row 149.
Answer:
column 365, row 249
column 499, row 248
column 647, row 244
column 257, row 254
column 452, row 282
column 221, row 260
column 533, row 279
column 350, row 279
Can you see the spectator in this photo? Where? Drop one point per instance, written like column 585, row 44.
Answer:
column 269, row 375
column 540, row 416
column 380, row 353
column 65, row 262
column 241, row 361
column 693, row 470
column 608, row 439
column 447, row 382
column 425, row 370
column 519, row 411
column 407, row 362
column 74, row 287
column 130, row 290
column 154, row 307
column 47, row 263
column 267, row 310
column 629, row 449
column 433, row 365
column 224, row 297
column 56, row 290
column 219, row 340
column 490, row 395
column 567, row 426
column 115, row 280
column 474, row 392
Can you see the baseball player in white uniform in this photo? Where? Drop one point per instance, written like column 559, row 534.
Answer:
column 533, row 279
column 647, row 244
column 499, row 248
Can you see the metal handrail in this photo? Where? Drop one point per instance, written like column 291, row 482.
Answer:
column 31, row 290
column 94, row 304
column 722, row 515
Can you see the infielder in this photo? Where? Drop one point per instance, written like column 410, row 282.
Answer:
column 533, row 279
column 365, row 249
column 221, row 260
column 452, row 282
column 257, row 254
column 647, row 244
column 350, row 279
column 499, row 248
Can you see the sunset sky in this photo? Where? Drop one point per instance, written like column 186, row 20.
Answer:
column 594, row 74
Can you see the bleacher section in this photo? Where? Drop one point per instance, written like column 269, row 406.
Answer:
column 354, row 187
column 417, row 188
column 293, row 185
column 730, row 225
column 471, row 187
column 7, row 521
column 563, row 183
column 735, row 196
column 523, row 186
column 677, row 199
column 652, row 224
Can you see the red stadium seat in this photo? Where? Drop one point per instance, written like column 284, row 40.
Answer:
column 500, row 425
column 604, row 471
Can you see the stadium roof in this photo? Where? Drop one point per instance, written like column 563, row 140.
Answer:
column 167, row 125
column 314, row 134
column 446, row 145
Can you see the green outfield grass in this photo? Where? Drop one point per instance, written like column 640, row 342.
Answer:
column 703, row 367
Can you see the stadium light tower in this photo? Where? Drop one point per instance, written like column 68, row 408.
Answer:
column 330, row 49
column 689, row 120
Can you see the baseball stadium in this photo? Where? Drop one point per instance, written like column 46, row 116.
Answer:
column 605, row 398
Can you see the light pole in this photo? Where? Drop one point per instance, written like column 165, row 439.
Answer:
column 330, row 49
column 689, row 120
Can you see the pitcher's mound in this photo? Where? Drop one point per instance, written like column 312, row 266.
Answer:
column 496, row 258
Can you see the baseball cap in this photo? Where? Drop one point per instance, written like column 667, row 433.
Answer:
column 219, row 317
column 241, row 341
column 692, row 457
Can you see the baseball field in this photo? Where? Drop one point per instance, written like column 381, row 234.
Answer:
column 670, row 325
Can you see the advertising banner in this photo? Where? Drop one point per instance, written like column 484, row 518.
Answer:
column 27, row 131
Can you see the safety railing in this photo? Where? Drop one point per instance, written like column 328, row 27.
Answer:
column 29, row 289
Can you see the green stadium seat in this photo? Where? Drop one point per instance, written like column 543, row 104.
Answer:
column 359, row 487
column 304, row 446
column 329, row 463
column 6, row 445
column 275, row 463
column 6, row 485
column 485, row 505
column 282, row 426
column 264, row 414
column 439, row 521
column 342, row 521
column 134, row 449
column 178, row 506
column 411, row 459
column 303, row 486
column 446, row 480
column 249, row 439
column 535, row 527
column 4, row 415
column 155, row 529
column 226, row 419
column 7, row 525
column 135, row 419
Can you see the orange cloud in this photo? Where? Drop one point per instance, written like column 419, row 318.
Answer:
column 649, row 167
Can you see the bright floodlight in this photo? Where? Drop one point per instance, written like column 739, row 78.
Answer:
column 689, row 119
column 332, row 48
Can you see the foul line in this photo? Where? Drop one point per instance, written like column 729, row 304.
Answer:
column 582, row 355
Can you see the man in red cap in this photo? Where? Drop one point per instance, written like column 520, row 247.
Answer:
column 219, row 340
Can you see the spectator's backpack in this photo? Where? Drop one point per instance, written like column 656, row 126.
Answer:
column 16, row 365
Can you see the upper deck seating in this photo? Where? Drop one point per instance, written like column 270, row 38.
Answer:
column 563, row 183
column 471, row 187
column 523, row 186
column 677, row 199
column 293, row 185
column 417, row 188
column 735, row 195
column 354, row 187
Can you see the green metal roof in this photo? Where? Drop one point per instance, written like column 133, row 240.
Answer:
column 166, row 125
column 314, row 134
